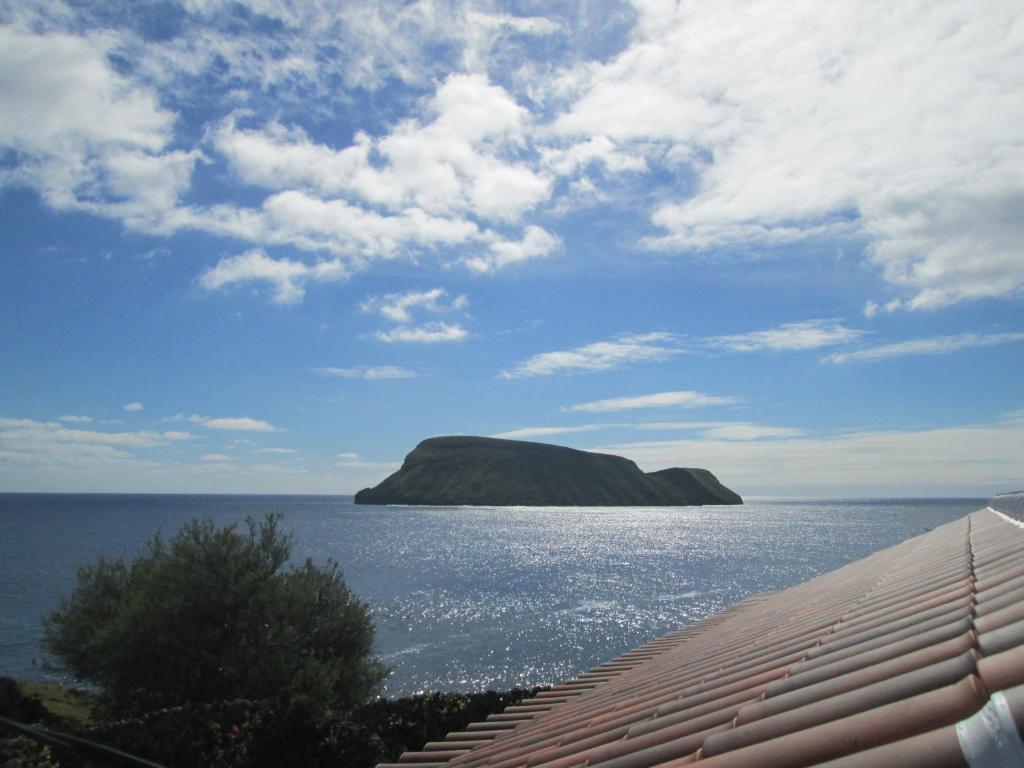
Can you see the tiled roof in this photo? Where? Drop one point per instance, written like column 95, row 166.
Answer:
column 895, row 660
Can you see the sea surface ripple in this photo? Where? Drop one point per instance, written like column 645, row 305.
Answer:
column 471, row 598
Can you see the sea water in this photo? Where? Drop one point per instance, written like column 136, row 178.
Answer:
column 471, row 598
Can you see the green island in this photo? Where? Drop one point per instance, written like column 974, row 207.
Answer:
column 487, row 471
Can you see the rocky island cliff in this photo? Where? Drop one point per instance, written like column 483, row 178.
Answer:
column 486, row 471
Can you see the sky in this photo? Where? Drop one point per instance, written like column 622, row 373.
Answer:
column 269, row 246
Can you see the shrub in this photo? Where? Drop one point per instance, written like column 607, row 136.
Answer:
column 215, row 615
column 408, row 723
column 259, row 734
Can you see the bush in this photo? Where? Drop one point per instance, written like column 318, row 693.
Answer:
column 214, row 615
column 409, row 723
column 257, row 734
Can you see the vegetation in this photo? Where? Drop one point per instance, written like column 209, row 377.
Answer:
column 487, row 471
column 697, row 484
column 215, row 615
column 210, row 650
column 253, row 734
column 69, row 705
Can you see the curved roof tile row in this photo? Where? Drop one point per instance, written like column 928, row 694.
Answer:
column 881, row 662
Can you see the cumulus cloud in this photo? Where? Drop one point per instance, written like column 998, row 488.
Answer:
column 285, row 276
column 398, row 307
column 886, row 125
column 620, row 351
column 536, row 243
column 678, row 399
column 92, row 138
column 82, row 134
column 369, row 373
column 427, row 333
column 76, row 419
column 886, row 122
column 134, row 407
column 421, row 185
column 565, row 161
column 450, row 164
column 218, row 457
column 809, row 334
column 305, row 221
column 935, row 345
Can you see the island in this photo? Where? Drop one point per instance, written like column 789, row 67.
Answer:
column 487, row 471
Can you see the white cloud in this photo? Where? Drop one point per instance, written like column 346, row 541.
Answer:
column 809, row 334
column 49, row 457
column 287, row 277
column 888, row 123
column 369, row 373
column 719, row 430
column 431, row 176
column 308, row 222
column 233, row 423
column 398, row 307
column 428, row 333
column 620, row 351
column 879, row 120
column 134, row 407
column 872, row 308
column 68, row 95
column 972, row 458
column 92, row 139
column 596, row 149
column 371, row 45
column 86, row 137
column 536, row 243
column 935, row 345
column 220, row 457
column 678, row 399
column 29, row 431
column 76, row 419
column 746, row 431
column 282, row 451
column 524, row 432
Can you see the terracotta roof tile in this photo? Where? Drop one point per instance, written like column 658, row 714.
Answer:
column 881, row 662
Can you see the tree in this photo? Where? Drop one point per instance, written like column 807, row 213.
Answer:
column 213, row 615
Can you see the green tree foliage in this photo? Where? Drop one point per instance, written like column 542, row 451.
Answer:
column 214, row 614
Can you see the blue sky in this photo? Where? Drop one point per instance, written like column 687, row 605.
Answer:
column 270, row 246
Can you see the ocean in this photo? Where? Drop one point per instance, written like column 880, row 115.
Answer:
column 474, row 598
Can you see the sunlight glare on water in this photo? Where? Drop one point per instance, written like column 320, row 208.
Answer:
column 473, row 598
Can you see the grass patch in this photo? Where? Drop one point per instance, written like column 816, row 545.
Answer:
column 68, row 703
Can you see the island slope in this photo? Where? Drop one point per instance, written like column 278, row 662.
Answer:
column 486, row 471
